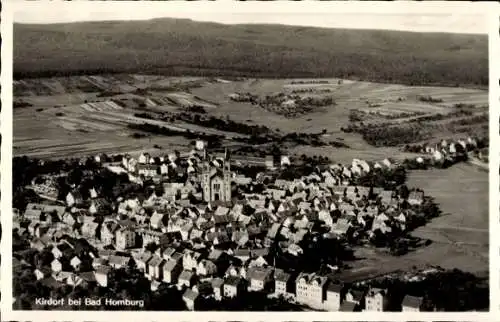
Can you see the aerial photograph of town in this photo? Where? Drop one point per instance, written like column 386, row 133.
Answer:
column 249, row 162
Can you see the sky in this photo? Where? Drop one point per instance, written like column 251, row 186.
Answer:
column 423, row 18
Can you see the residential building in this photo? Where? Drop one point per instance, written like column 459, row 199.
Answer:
column 185, row 279
column 190, row 298
column 172, row 270
column 333, row 296
column 282, row 281
column 125, row 238
column 376, row 300
column 155, row 268
column 412, row 303
column 260, row 278
column 233, row 286
column 311, row 289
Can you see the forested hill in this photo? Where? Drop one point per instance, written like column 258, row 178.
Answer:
column 180, row 46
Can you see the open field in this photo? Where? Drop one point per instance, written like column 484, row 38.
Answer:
column 103, row 116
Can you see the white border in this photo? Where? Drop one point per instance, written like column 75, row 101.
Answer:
column 491, row 12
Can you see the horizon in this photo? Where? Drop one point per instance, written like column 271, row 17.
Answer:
column 451, row 21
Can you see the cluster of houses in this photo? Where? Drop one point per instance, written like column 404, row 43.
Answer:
column 446, row 150
column 218, row 247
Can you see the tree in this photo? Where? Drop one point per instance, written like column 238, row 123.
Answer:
column 151, row 247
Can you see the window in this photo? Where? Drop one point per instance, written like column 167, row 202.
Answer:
column 216, row 186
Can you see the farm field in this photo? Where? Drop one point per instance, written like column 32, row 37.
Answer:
column 80, row 114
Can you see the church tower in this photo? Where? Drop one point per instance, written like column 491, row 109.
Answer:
column 226, row 171
column 205, row 178
column 216, row 182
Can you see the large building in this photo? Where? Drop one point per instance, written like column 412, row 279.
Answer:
column 216, row 181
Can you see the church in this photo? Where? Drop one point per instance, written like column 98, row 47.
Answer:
column 216, row 181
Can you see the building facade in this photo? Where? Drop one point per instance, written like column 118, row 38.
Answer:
column 216, row 182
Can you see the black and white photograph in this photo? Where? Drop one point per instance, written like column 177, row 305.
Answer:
column 167, row 158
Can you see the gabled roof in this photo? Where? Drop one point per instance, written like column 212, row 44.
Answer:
column 412, row 301
column 190, row 294
column 118, row 260
column 217, row 282
column 281, row 275
column 232, row 280
column 347, row 306
column 186, row 275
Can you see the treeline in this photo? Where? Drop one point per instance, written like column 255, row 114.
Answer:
column 258, row 134
column 392, row 135
column 429, row 99
column 215, row 140
column 21, row 104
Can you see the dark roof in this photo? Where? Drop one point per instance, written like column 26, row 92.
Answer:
column 281, row 275
column 412, row 301
column 259, row 273
column 217, row 282
column 232, row 280
column 357, row 295
column 334, row 287
column 155, row 261
column 51, row 282
column 347, row 306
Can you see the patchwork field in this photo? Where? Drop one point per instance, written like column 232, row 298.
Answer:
column 91, row 113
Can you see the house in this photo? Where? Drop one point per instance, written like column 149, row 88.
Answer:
column 75, row 263
column 416, row 198
column 356, row 297
column 217, row 287
column 62, row 250
column 282, row 281
column 333, row 296
column 56, row 265
column 150, row 236
column 233, row 286
column 141, row 261
column 376, row 300
column 190, row 297
column 186, row 278
column 310, row 290
column 260, row 278
column 73, row 198
column 412, row 303
column 156, row 220
column 155, row 268
column 101, row 275
column 206, row 268
column 125, row 238
column 42, row 273
column 348, row 306
column 341, row 227
column 89, row 229
column 147, row 170
column 119, row 261
column 190, row 259
column 172, row 270
column 108, row 231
